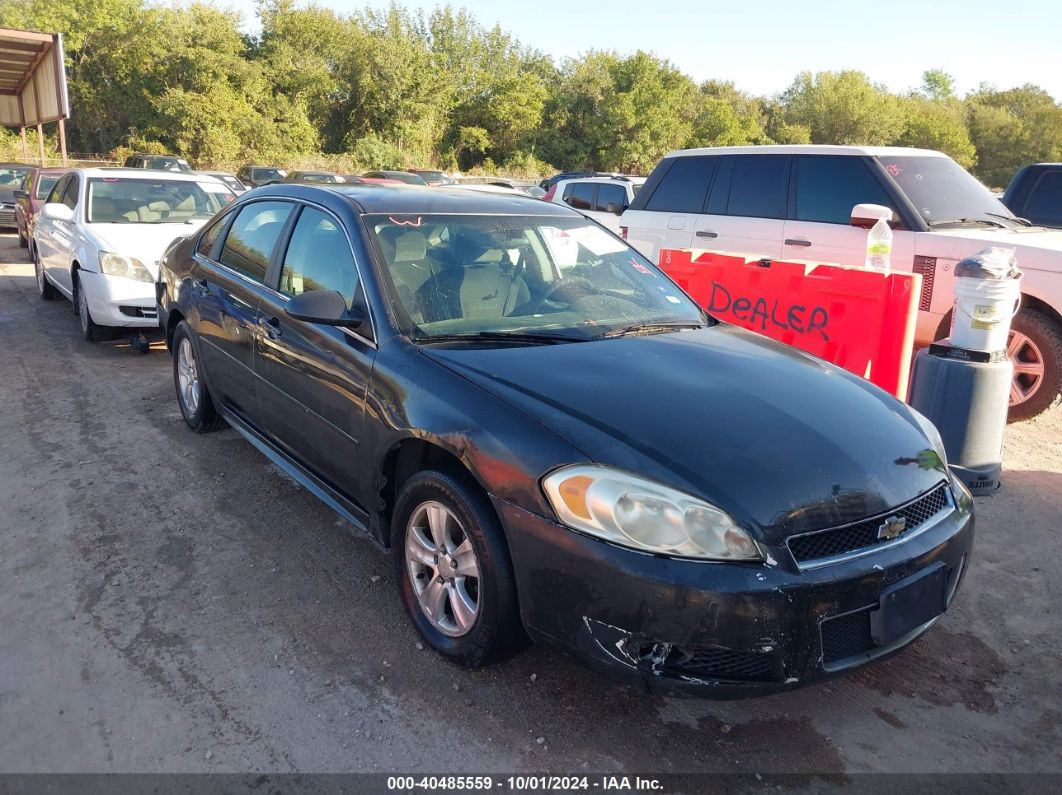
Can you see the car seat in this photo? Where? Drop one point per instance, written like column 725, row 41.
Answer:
column 466, row 286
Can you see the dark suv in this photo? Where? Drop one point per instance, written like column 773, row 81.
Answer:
column 1035, row 193
column 159, row 162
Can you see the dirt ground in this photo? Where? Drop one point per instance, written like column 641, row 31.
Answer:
column 172, row 602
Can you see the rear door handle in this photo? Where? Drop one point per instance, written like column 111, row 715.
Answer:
column 271, row 326
column 706, row 233
column 796, row 241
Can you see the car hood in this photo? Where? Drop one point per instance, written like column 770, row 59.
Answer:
column 7, row 195
column 145, row 242
column 1036, row 247
column 782, row 441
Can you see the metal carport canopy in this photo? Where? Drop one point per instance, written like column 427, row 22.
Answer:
column 33, row 83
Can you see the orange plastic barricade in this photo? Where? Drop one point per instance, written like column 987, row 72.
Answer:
column 859, row 319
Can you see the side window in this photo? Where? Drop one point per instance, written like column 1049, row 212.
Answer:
column 685, row 186
column 610, row 194
column 210, row 236
column 759, row 187
column 829, row 187
column 56, row 194
column 70, row 195
column 318, row 258
column 1044, row 205
column 252, row 237
column 579, row 195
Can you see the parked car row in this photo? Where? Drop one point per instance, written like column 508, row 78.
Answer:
column 430, row 363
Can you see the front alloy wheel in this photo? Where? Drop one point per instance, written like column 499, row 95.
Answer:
column 89, row 330
column 453, row 567
column 443, row 569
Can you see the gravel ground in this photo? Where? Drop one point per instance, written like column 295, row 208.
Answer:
column 172, row 602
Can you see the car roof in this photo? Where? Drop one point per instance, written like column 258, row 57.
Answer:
column 140, row 173
column 607, row 180
column 808, row 149
column 420, row 199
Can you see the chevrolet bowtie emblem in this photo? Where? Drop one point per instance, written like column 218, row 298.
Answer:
column 891, row 528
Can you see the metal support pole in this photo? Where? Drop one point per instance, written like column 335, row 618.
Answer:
column 62, row 141
column 40, row 141
column 25, row 145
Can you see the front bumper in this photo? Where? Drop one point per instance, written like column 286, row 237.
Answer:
column 121, row 302
column 720, row 630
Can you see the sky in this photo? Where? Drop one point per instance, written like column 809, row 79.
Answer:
column 761, row 45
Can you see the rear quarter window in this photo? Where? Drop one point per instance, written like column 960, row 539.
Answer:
column 684, row 187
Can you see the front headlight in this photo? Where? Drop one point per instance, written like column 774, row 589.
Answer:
column 641, row 514
column 127, row 267
column 930, row 430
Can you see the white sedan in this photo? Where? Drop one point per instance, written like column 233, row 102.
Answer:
column 102, row 232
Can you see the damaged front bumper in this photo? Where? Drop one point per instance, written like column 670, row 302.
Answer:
column 720, row 630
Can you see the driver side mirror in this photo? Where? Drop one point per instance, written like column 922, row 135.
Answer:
column 865, row 216
column 21, row 194
column 57, row 212
column 326, row 307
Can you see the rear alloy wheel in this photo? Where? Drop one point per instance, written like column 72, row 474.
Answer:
column 454, row 570
column 44, row 287
column 89, row 330
column 193, row 397
column 1035, row 348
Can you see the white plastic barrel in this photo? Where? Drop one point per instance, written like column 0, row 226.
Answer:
column 983, row 311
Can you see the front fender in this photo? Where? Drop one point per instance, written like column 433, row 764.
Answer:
column 506, row 451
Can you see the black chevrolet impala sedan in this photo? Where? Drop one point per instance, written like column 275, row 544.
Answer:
column 554, row 442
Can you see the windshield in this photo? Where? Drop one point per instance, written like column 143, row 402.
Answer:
column 490, row 274
column 45, row 184
column 12, row 177
column 117, row 200
column 941, row 190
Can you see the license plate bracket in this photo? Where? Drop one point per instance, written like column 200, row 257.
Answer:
column 909, row 603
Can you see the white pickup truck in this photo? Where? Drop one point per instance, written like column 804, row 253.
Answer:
column 796, row 202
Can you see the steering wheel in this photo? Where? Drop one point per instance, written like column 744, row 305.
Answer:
column 570, row 290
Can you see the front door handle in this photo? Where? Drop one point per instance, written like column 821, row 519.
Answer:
column 796, row 241
column 271, row 326
column 706, row 233
column 201, row 286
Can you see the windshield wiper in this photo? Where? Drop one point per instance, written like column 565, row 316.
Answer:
column 520, row 337
column 1015, row 218
column 647, row 328
column 946, row 221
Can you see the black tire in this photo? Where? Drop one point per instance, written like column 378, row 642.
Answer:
column 203, row 417
column 45, row 289
column 89, row 330
column 1044, row 349
column 496, row 632
column 23, row 241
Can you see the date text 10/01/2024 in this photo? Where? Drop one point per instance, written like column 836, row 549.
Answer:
column 544, row 783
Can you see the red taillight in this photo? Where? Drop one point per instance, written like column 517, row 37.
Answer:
column 549, row 194
column 623, row 232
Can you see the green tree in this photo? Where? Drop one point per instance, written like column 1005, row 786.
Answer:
column 1013, row 128
column 843, row 108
